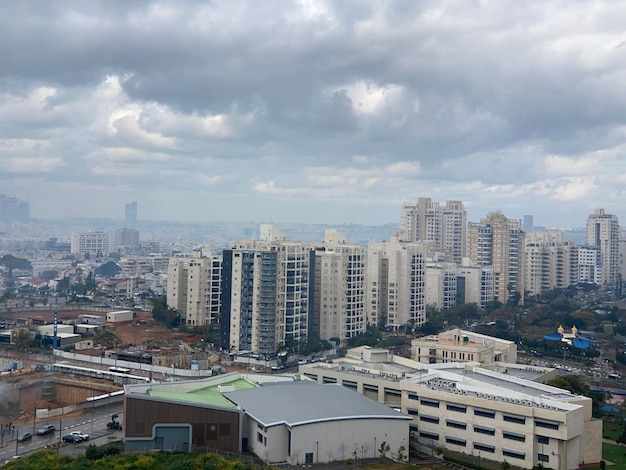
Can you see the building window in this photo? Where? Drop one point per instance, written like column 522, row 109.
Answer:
column 411, row 411
column 457, row 408
column 259, row 437
column 429, row 435
column 547, row 424
column 455, row 441
column 543, row 457
column 513, row 454
column 484, row 430
column 514, row 419
column 484, row 413
column 484, row 447
column 413, row 396
column 543, row 440
column 429, row 419
column 426, row 402
column 455, row 424
column 514, row 436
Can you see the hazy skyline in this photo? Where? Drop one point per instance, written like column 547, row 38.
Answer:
column 313, row 111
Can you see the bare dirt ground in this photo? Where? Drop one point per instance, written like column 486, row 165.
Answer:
column 144, row 328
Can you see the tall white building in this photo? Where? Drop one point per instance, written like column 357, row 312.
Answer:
column 499, row 242
column 264, row 295
column 94, row 243
column 474, row 284
column 550, row 262
column 337, row 288
column 441, row 284
column 194, row 288
column 443, row 224
column 603, row 232
column 396, row 283
column 590, row 265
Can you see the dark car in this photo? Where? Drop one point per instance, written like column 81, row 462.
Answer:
column 25, row 437
column 73, row 438
column 47, row 429
column 114, row 425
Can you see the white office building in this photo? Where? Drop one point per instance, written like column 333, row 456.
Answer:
column 603, row 232
column 93, row 243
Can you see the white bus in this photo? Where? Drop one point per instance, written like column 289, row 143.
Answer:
column 119, row 370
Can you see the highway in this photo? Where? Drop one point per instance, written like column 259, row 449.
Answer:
column 92, row 422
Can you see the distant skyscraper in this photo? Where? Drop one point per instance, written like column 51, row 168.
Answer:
column 529, row 225
column 603, row 232
column 131, row 215
column 444, row 225
column 13, row 209
column 499, row 242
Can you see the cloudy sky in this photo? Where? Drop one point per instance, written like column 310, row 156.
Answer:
column 311, row 110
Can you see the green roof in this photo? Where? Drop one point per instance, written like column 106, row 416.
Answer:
column 208, row 395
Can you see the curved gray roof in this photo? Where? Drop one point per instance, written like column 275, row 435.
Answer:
column 298, row 403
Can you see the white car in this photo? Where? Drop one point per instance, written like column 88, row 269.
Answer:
column 82, row 435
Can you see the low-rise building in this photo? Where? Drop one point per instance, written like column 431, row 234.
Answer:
column 495, row 412
column 282, row 419
column 458, row 345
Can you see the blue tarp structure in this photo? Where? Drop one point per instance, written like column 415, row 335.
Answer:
column 579, row 342
column 553, row 337
column 609, row 409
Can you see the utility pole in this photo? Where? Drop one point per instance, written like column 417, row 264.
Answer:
column 34, row 415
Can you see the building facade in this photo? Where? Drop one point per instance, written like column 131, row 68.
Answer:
column 265, row 296
column 443, row 224
column 93, row 243
column 337, row 288
column 396, row 276
column 603, row 232
column 550, row 262
column 194, row 288
column 499, row 242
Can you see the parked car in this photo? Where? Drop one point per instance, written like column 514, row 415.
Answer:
column 25, row 437
column 82, row 435
column 73, row 438
column 47, row 429
column 114, row 425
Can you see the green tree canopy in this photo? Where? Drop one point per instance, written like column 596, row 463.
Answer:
column 11, row 262
column 108, row 269
column 48, row 274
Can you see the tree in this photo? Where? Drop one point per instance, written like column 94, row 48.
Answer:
column 48, row 274
column 11, row 263
column 575, row 384
column 164, row 314
column 64, row 285
column 384, row 449
column 109, row 269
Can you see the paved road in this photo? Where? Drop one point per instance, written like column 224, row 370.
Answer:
column 92, row 422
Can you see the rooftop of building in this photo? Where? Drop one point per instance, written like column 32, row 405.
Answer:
column 282, row 403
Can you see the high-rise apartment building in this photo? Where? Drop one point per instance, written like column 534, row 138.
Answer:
column 337, row 288
column 590, row 265
column 264, row 294
column 603, row 232
column 131, row 215
column 443, row 224
column 550, row 262
column 499, row 242
column 441, row 284
column 126, row 237
column 474, row 284
column 395, row 280
column 94, row 243
column 194, row 288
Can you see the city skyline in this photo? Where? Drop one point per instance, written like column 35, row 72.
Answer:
column 318, row 112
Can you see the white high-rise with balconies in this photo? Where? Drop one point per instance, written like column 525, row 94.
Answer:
column 603, row 232
column 443, row 224
column 396, row 279
column 499, row 242
column 337, row 288
column 550, row 262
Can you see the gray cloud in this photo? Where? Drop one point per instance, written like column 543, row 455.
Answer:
column 345, row 108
